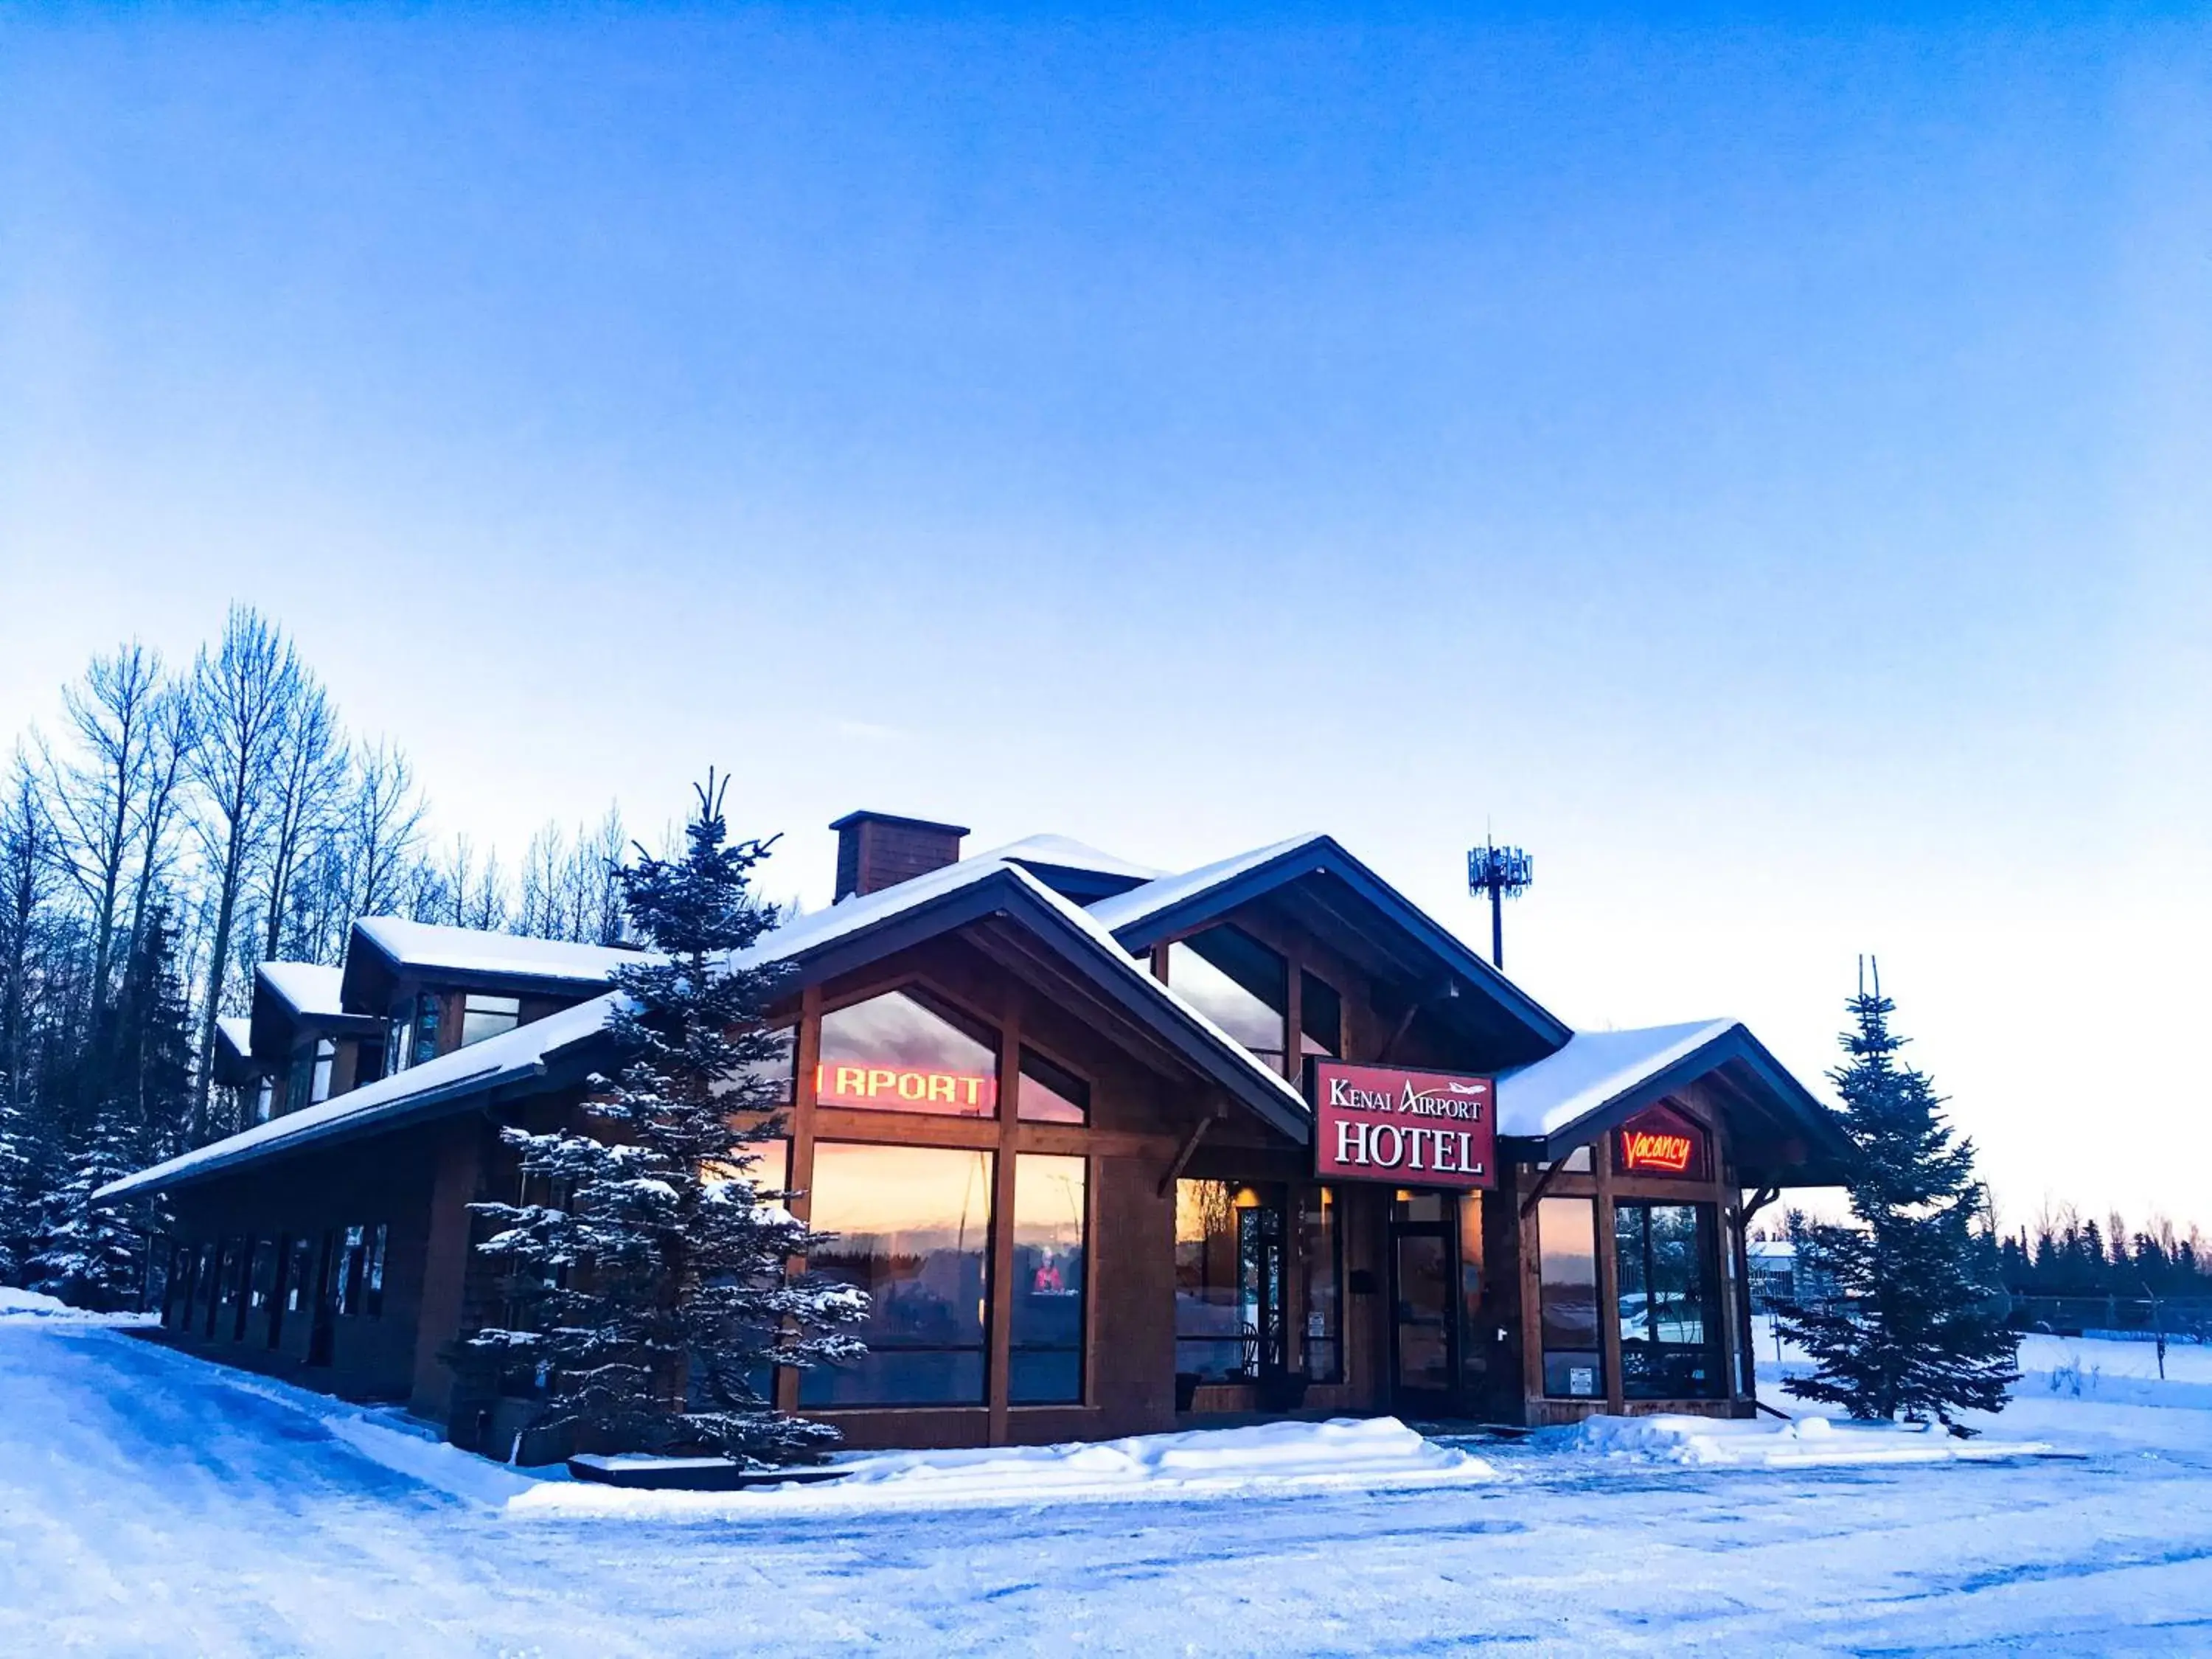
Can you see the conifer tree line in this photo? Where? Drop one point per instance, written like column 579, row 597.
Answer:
column 173, row 825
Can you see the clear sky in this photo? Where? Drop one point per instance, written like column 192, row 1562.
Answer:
column 1765, row 470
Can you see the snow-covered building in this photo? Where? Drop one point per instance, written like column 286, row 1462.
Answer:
column 1108, row 1147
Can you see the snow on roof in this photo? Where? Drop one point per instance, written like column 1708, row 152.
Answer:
column 471, row 951
column 1138, row 902
column 1065, row 853
column 309, row 988
column 237, row 1031
column 480, row 1066
column 1545, row 1097
column 487, row 1064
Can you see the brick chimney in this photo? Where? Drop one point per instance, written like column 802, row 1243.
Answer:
column 876, row 850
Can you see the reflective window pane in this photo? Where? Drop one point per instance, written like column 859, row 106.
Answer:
column 1050, row 1093
column 1046, row 1326
column 913, row 1227
column 1320, row 1017
column 1236, row 982
column 1229, row 1281
column 1669, row 1305
column 1566, row 1234
column 905, row 1052
column 1321, row 1247
column 485, row 1017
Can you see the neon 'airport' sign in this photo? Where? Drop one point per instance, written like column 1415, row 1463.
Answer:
column 890, row 1087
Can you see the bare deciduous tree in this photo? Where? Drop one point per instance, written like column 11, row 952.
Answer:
column 245, row 695
column 99, row 797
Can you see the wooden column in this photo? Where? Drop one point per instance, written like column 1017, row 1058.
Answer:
column 999, row 1332
column 808, row 1058
column 1734, row 1286
column 1608, row 1273
column 1532, row 1294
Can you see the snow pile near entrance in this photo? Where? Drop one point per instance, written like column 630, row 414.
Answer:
column 30, row 1305
column 1803, row 1443
column 1345, row 1452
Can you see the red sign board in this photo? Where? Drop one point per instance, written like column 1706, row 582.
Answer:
column 1660, row 1142
column 1410, row 1128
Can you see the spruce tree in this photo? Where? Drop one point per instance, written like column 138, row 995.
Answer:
column 1918, row 1331
column 650, row 1286
column 91, row 1256
column 19, row 1196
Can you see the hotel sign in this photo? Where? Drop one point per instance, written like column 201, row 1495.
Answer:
column 1410, row 1128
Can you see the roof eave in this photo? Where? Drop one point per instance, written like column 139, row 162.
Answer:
column 1323, row 855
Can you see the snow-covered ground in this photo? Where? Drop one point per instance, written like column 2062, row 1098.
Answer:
column 153, row 1503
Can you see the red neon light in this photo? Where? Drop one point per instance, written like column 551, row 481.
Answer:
column 882, row 1084
column 1646, row 1149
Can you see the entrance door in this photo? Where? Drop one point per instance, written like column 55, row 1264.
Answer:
column 1425, row 1323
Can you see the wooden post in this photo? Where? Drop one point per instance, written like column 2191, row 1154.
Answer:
column 1532, row 1294
column 999, row 1335
column 1608, row 1274
column 809, row 1057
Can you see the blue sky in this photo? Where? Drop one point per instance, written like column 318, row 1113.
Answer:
column 1763, row 468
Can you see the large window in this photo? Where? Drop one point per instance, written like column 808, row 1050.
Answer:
column 1049, row 1094
column 1669, row 1311
column 1474, row 1323
column 309, row 1083
column 485, row 1017
column 913, row 1227
column 1238, row 983
column 1321, row 1251
column 906, row 1052
column 1566, row 1233
column 411, row 1038
column 1046, row 1326
column 1320, row 1018
column 1229, row 1281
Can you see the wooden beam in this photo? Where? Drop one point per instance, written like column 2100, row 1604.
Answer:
column 1189, row 1147
column 1543, row 1180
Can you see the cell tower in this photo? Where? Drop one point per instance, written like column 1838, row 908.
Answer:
column 1503, row 872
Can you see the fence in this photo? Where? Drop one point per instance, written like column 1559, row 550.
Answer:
column 2182, row 1320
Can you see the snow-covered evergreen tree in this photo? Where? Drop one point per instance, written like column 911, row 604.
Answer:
column 1919, row 1331
column 19, row 1195
column 650, row 1285
column 91, row 1256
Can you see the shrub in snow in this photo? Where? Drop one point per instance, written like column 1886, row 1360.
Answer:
column 650, row 1286
column 1919, row 1331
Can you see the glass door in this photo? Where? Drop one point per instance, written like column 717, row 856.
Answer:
column 1425, row 1326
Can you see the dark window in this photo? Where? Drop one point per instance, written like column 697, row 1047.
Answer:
column 1046, row 1332
column 300, row 1279
column 1320, row 1246
column 905, row 1051
column 372, row 1270
column 184, row 1261
column 1238, row 983
column 1229, row 1281
column 200, row 1313
column 485, row 1017
column 224, row 1290
column 1050, row 1095
column 1320, row 1017
column 914, row 1230
column 412, row 1036
column 368, row 1063
column 349, row 1272
column 280, row 1284
column 1566, row 1233
column 1670, row 1345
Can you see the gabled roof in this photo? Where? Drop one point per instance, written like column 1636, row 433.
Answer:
column 236, row 1032
column 471, row 957
column 817, row 947
column 1073, row 869
column 1601, row 1079
column 1179, row 904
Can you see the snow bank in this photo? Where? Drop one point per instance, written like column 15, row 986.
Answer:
column 1767, row 1444
column 30, row 1305
column 1345, row 1452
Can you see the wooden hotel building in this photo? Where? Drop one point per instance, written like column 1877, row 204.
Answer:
column 1111, row 1150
